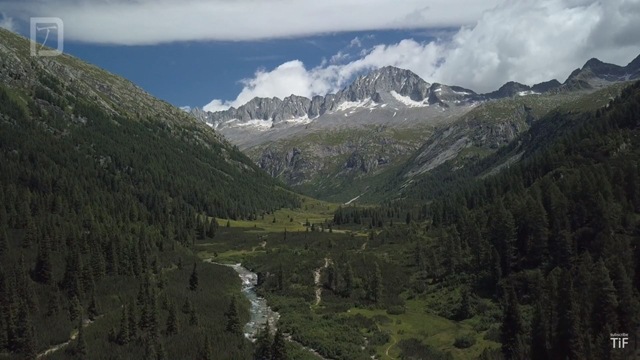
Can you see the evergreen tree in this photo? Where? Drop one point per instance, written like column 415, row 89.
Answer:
column 375, row 287
column 279, row 348
column 206, row 352
column 348, row 280
column 233, row 319
column 24, row 335
column 81, row 345
column 193, row 279
column 193, row 316
column 43, row 271
column 123, row 333
column 4, row 240
column 512, row 327
column 502, row 233
column 172, row 321
column 92, row 310
column 132, row 322
column 539, row 334
column 263, row 344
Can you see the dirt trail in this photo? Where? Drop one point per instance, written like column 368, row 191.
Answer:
column 395, row 341
column 316, row 279
column 74, row 335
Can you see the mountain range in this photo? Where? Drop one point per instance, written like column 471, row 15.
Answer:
column 333, row 146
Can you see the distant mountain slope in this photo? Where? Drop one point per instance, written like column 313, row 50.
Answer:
column 104, row 190
column 342, row 145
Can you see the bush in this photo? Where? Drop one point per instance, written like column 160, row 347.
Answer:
column 379, row 338
column 464, row 341
column 493, row 334
column 396, row 310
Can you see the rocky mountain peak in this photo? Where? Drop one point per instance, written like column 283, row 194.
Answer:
column 385, row 80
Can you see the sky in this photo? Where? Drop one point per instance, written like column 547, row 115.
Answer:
column 221, row 53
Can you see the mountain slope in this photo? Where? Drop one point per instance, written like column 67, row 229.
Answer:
column 348, row 144
column 104, row 191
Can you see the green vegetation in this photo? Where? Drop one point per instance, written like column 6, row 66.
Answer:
column 99, row 211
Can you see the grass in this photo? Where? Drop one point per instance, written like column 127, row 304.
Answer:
column 433, row 330
column 326, row 326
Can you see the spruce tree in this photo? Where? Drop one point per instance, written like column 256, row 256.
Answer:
column 193, row 279
column 172, row 321
column 279, row 348
column 375, row 287
column 81, row 345
column 539, row 333
column 348, row 280
column 512, row 327
column 43, row 271
column 263, row 344
column 4, row 241
column 123, row 333
column 132, row 323
column 233, row 319
column 24, row 335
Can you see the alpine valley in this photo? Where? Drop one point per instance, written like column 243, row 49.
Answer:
column 391, row 123
column 395, row 219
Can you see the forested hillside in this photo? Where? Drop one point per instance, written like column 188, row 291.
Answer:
column 101, row 202
column 553, row 237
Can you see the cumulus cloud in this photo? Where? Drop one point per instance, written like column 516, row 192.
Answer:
column 528, row 41
column 158, row 21
column 7, row 22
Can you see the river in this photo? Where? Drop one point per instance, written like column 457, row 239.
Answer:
column 260, row 312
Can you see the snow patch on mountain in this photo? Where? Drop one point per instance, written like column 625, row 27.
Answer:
column 407, row 100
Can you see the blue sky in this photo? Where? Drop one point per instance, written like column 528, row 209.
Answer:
column 193, row 73
column 222, row 53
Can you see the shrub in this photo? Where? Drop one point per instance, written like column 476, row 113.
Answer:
column 493, row 334
column 396, row 310
column 379, row 338
column 464, row 341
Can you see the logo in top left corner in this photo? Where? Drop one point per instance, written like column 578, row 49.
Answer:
column 47, row 36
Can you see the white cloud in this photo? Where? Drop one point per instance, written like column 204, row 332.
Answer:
column 7, row 22
column 521, row 40
column 158, row 21
column 355, row 42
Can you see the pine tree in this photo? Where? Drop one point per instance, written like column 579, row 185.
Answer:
column 4, row 241
column 279, row 348
column 539, row 334
column 24, row 335
column 172, row 321
column 604, row 310
column 31, row 234
column 502, row 233
column 132, row 323
column 193, row 279
column 193, row 316
column 280, row 278
column 81, row 345
column 375, row 287
column 233, row 319
column 75, row 308
column 123, row 333
column 512, row 327
column 92, row 310
column 263, row 344
column 43, row 271
column 206, row 352
column 348, row 280
column 213, row 227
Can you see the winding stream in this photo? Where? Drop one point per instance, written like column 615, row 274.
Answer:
column 260, row 311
